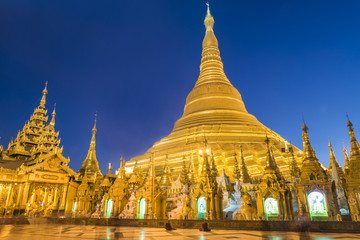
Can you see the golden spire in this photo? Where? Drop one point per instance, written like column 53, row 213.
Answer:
column 91, row 164
column 211, row 67
column 334, row 163
column 166, row 180
column 94, row 130
column 43, row 99
column 332, row 157
column 151, row 173
column 270, row 163
column 294, row 168
column 184, row 178
column 205, row 167
column 308, row 150
column 209, row 20
column 355, row 149
column 52, row 122
column 214, row 171
column 236, row 171
column 347, row 161
column 213, row 90
column 134, row 179
column 244, row 174
column 121, row 173
column 192, row 176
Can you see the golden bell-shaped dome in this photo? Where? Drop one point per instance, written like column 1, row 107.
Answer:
column 215, row 111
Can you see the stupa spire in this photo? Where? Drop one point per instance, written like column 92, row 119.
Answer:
column 269, row 158
column 213, row 99
column 121, row 173
column 244, row 174
column 236, row 171
column 355, row 149
column 336, row 170
column 184, row 178
column 332, row 158
column 211, row 67
column 192, row 176
column 166, row 179
column 308, row 150
column 205, row 166
column 214, row 171
column 91, row 163
column 43, row 98
column 347, row 161
column 52, row 122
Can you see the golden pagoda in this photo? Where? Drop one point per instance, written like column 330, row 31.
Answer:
column 91, row 165
column 35, row 138
column 215, row 110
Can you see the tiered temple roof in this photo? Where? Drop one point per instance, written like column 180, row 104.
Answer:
column 37, row 137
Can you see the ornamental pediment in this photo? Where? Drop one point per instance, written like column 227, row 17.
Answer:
column 51, row 162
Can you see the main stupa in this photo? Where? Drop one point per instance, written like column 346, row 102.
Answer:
column 215, row 115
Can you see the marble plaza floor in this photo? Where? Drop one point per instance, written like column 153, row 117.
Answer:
column 46, row 231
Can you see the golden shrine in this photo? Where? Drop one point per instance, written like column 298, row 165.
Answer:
column 219, row 162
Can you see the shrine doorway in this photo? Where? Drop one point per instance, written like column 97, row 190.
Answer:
column 271, row 209
column 74, row 207
column 317, row 206
column 201, row 208
column 142, row 206
column 109, row 208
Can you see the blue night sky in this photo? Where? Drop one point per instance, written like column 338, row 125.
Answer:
column 135, row 62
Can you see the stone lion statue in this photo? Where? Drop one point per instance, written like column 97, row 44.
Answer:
column 247, row 211
column 186, row 212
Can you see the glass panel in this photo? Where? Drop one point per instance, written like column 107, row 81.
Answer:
column 109, row 208
column 201, row 208
column 317, row 206
column 142, row 209
column 271, row 208
column 74, row 208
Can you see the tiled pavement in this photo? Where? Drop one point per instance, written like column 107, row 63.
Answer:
column 40, row 232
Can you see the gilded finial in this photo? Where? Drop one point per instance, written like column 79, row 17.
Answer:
column 304, row 127
column 349, row 124
column 45, row 89
column 208, row 8
column 54, row 113
column 52, row 122
column 43, row 98
column 94, row 128
column 209, row 20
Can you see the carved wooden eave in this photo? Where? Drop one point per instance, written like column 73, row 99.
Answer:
column 52, row 162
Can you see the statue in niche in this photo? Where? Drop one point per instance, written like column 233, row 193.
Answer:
column 129, row 211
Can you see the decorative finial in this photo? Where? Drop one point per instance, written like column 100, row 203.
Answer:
column 304, row 127
column 302, row 116
column 349, row 124
column 52, row 122
column 54, row 113
column 43, row 98
column 94, row 130
column 209, row 20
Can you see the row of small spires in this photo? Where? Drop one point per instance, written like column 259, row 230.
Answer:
column 308, row 151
